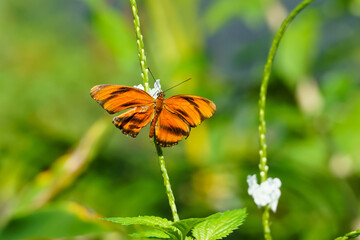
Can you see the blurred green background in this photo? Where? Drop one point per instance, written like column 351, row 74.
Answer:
column 63, row 164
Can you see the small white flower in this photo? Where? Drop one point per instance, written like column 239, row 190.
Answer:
column 153, row 91
column 140, row 86
column 156, row 90
column 267, row 193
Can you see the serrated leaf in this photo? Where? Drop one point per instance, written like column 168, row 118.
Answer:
column 141, row 220
column 155, row 233
column 189, row 238
column 187, row 224
column 159, row 223
column 219, row 225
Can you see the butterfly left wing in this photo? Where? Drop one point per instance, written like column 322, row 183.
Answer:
column 115, row 98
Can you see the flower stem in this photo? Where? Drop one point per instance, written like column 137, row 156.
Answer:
column 262, row 102
column 167, row 183
column 145, row 77
column 266, row 223
column 140, row 43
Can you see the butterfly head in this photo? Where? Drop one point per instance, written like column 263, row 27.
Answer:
column 161, row 95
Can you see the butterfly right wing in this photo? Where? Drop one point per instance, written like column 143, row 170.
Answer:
column 115, row 98
column 179, row 114
column 193, row 109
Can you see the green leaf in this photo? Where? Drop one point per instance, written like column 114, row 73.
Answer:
column 219, row 225
column 159, row 223
column 141, row 220
column 187, row 224
column 155, row 233
column 189, row 238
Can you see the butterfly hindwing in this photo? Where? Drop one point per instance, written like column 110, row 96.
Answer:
column 170, row 128
column 115, row 98
column 132, row 121
column 193, row 109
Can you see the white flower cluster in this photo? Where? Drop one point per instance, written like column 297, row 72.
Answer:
column 266, row 193
column 153, row 91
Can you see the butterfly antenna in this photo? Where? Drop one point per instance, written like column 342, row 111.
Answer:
column 177, row 84
column 151, row 74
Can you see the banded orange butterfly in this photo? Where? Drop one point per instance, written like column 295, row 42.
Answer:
column 170, row 118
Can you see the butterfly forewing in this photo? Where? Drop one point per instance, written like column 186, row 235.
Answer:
column 192, row 109
column 115, row 98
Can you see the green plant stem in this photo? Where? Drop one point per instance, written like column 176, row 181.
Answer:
column 140, row 43
column 263, row 167
column 266, row 223
column 167, row 184
column 349, row 235
column 145, row 77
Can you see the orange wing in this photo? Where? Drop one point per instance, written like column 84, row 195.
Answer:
column 192, row 109
column 132, row 121
column 170, row 128
column 179, row 113
column 115, row 98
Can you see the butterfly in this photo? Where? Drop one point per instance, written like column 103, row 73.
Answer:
column 171, row 118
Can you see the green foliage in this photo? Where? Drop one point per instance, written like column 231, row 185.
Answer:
column 216, row 226
column 53, row 52
column 115, row 33
column 219, row 225
column 158, row 223
column 295, row 56
column 154, row 233
column 142, row 220
column 221, row 12
column 53, row 222
column 186, row 225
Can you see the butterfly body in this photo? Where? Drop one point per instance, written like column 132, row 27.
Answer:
column 171, row 119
